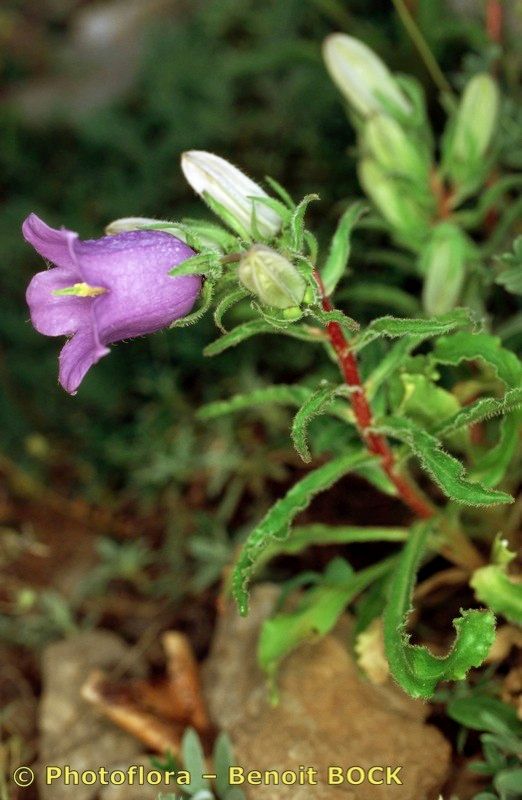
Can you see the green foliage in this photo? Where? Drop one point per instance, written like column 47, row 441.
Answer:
column 275, row 524
column 338, row 256
column 416, row 669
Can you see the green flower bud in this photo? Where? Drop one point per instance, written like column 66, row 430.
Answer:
column 394, row 150
column 476, row 118
column 400, row 210
column 270, row 276
column 361, row 76
column 443, row 263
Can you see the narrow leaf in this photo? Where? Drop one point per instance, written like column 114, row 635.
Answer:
column 480, row 346
column 414, row 668
column 445, row 470
column 340, row 247
column 483, row 409
column 393, row 327
column 225, row 304
column 276, row 523
column 287, row 395
column 318, row 534
column 297, row 226
column 252, row 328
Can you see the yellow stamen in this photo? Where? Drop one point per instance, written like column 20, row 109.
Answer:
column 79, row 290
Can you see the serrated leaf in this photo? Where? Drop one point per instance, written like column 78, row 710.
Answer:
column 414, row 668
column 445, row 470
column 317, row 403
column 393, row 327
column 480, row 346
column 325, row 317
column 225, row 304
column 276, row 523
column 297, row 226
column 340, row 246
column 483, row 409
column 253, row 328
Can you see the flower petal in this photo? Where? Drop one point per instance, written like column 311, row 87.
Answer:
column 142, row 297
column 55, row 245
column 78, row 356
column 56, row 316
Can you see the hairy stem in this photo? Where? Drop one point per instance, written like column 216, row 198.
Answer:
column 376, row 444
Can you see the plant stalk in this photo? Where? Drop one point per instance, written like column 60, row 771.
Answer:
column 376, row 443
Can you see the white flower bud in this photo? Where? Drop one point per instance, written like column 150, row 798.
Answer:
column 212, row 176
column 270, row 276
column 361, row 76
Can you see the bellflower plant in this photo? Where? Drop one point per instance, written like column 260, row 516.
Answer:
column 101, row 291
column 425, row 407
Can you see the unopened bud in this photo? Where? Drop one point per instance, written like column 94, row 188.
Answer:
column 270, row 276
column 476, row 118
column 125, row 224
column 394, row 150
column 361, row 76
column 400, row 210
column 443, row 263
column 216, row 179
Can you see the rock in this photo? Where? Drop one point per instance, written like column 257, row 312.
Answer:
column 72, row 733
column 328, row 715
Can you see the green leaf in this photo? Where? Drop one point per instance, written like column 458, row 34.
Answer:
column 194, row 760
column 511, row 277
column 297, row 227
column 483, row 409
column 318, row 534
column 319, row 402
column 483, row 347
column 207, row 263
column 340, row 247
column 389, row 365
column 414, row 668
column 281, row 191
column 493, row 465
column 481, row 712
column 253, row 328
column 225, row 304
column 445, row 470
column 393, row 327
column 325, row 317
column 275, row 525
column 288, row 395
column 317, row 613
column 494, row 588
column 508, row 783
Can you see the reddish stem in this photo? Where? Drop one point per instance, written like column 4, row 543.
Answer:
column 494, row 20
column 376, row 443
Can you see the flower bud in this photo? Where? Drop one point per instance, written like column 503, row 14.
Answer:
column 223, row 184
column 394, row 150
column 361, row 76
column 270, row 276
column 399, row 209
column 443, row 263
column 476, row 118
column 125, row 224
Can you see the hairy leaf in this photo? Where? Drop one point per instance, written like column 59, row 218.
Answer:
column 319, row 402
column 414, row 668
column 480, row 346
column 445, row 470
column 297, row 226
column 496, row 589
column 276, row 523
column 493, row 465
column 483, row 409
column 318, row 534
column 340, row 247
column 393, row 327
column 252, row 328
column 227, row 303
